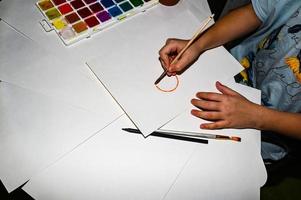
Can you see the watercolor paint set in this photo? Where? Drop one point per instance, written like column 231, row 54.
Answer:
column 74, row 20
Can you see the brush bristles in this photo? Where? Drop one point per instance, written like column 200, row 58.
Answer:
column 234, row 138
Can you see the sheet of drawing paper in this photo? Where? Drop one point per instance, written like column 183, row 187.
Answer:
column 129, row 73
column 220, row 171
column 25, row 17
column 176, row 169
column 115, row 165
column 198, row 8
column 228, row 172
column 187, row 122
column 26, row 64
column 36, row 131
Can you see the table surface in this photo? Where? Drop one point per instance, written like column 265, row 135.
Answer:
column 185, row 176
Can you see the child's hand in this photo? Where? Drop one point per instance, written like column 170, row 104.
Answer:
column 226, row 110
column 171, row 49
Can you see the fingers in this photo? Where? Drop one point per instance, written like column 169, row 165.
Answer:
column 165, row 69
column 210, row 104
column 211, row 115
column 215, row 125
column 169, row 49
column 205, row 105
column 180, row 64
column 225, row 90
column 210, row 96
column 168, row 52
column 216, row 96
column 216, row 117
column 221, row 109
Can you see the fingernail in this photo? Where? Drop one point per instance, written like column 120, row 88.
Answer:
column 219, row 83
column 193, row 112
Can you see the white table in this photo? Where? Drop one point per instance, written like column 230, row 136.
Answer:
column 162, row 169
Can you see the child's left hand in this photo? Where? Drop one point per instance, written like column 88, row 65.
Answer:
column 226, row 110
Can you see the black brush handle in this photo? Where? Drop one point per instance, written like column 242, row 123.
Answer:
column 175, row 137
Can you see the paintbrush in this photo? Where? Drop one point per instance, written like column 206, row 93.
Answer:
column 202, row 135
column 188, row 134
column 195, row 36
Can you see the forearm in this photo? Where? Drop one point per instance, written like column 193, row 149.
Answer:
column 234, row 25
column 284, row 123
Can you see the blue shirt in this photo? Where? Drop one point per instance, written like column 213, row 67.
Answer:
column 272, row 55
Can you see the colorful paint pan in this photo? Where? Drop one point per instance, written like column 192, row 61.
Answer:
column 103, row 16
column 77, row 4
column 136, row 3
column 45, row 5
column 71, row 18
column 84, row 12
column 115, row 11
column 52, row 13
column 80, row 27
column 126, row 6
column 89, row 1
column 59, row 2
column 66, row 8
column 96, row 7
column 59, row 23
column 118, row 1
column 107, row 3
column 92, row 21
column 67, row 33
column 74, row 20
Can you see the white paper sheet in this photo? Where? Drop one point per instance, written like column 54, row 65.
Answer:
column 115, row 165
column 25, row 17
column 25, row 63
column 129, row 73
column 120, row 165
column 223, row 170
column 230, row 179
column 199, row 8
column 35, row 131
column 187, row 122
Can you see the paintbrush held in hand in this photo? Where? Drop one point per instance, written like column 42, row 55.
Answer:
column 193, row 39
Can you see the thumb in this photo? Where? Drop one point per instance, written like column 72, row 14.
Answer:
column 180, row 64
column 225, row 90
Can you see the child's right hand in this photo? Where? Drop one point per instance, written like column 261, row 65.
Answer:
column 171, row 49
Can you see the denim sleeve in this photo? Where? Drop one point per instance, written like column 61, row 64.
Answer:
column 263, row 8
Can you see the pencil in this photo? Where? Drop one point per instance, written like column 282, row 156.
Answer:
column 195, row 36
column 164, row 135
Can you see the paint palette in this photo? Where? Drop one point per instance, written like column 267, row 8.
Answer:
column 74, row 20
